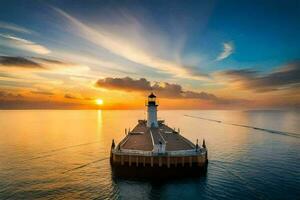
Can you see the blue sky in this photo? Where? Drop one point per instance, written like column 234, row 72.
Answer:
column 195, row 44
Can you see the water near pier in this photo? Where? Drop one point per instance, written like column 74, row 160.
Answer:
column 51, row 154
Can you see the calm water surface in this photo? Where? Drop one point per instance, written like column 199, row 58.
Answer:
column 50, row 154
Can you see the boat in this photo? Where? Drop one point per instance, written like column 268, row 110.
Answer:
column 152, row 148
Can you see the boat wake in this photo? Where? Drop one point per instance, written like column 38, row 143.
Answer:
column 69, row 147
column 87, row 164
column 49, row 153
column 46, row 154
column 247, row 126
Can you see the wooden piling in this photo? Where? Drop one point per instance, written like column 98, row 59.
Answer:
column 199, row 159
column 122, row 160
column 129, row 160
column 158, row 161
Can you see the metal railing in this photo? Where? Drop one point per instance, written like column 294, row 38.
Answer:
column 131, row 152
column 191, row 152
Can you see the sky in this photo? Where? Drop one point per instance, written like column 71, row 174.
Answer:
column 63, row 54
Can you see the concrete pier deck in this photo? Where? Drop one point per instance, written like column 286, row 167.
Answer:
column 144, row 138
column 148, row 149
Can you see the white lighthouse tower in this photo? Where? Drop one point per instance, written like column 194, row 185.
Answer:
column 152, row 111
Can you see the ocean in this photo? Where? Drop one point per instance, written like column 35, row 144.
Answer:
column 63, row 154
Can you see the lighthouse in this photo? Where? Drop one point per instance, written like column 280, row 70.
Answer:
column 152, row 111
column 152, row 149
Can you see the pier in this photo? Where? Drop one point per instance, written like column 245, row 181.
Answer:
column 151, row 144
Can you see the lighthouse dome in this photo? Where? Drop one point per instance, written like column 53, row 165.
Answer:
column 151, row 95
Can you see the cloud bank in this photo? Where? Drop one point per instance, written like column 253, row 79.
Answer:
column 9, row 95
column 162, row 89
column 285, row 77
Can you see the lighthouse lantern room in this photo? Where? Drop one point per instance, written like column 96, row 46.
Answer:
column 152, row 111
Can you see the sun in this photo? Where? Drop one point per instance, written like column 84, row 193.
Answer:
column 99, row 101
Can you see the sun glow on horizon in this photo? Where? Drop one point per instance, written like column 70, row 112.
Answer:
column 99, row 102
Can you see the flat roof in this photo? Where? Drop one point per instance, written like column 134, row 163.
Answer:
column 143, row 138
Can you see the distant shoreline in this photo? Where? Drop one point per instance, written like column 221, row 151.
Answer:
column 243, row 110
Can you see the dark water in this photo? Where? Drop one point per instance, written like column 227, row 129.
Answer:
column 63, row 155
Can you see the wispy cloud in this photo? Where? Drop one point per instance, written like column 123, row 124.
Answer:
column 118, row 43
column 36, row 63
column 24, row 44
column 14, row 27
column 228, row 49
column 16, row 71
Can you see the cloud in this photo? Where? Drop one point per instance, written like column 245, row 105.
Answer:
column 7, row 75
column 126, row 83
column 26, row 72
column 200, row 95
column 10, row 61
column 30, row 104
column 285, row 77
column 240, row 73
column 130, row 46
column 43, row 93
column 9, row 95
column 228, row 49
column 14, row 27
column 163, row 90
column 50, row 61
column 35, row 63
column 70, row 96
column 23, row 44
